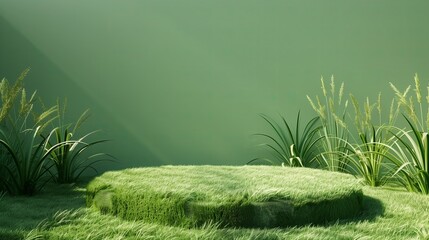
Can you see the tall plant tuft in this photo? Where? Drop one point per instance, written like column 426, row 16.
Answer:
column 334, row 134
column 28, row 151
column 29, row 161
column 23, row 152
column 368, row 152
column 292, row 148
column 410, row 154
column 68, row 159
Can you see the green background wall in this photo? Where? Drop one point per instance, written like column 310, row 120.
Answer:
column 183, row 82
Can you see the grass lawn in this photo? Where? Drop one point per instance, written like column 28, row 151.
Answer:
column 60, row 212
column 245, row 196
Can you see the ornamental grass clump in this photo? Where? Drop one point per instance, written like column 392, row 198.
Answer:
column 367, row 153
column 29, row 161
column 23, row 152
column 31, row 145
column 69, row 160
column 291, row 148
column 410, row 153
column 334, row 134
column 8, row 95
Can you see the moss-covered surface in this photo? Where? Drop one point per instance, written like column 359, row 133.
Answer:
column 246, row 196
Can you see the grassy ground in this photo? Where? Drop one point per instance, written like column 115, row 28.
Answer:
column 388, row 214
column 19, row 214
column 246, row 196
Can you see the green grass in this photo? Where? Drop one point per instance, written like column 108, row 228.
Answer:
column 247, row 196
column 332, row 110
column 387, row 214
column 297, row 148
column 404, row 217
column 19, row 214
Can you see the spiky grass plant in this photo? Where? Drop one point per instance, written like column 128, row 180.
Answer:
column 22, row 160
column 29, row 161
column 292, row 148
column 69, row 160
column 367, row 158
column 332, row 113
column 411, row 152
column 8, row 95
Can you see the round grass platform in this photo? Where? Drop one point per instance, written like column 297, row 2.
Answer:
column 233, row 196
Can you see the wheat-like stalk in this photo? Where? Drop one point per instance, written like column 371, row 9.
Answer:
column 418, row 96
column 417, row 89
column 323, row 87
column 339, row 120
column 401, row 96
column 4, row 89
column 9, row 93
column 368, row 112
column 312, row 103
column 322, row 109
column 340, row 93
column 332, row 112
column 379, row 108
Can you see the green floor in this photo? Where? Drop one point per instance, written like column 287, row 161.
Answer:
column 388, row 214
column 233, row 196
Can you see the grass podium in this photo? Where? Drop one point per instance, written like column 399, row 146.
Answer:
column 231, row 196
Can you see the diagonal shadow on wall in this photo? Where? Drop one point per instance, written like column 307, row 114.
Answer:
column 17, row 53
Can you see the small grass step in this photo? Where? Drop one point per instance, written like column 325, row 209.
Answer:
column 233, row 196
